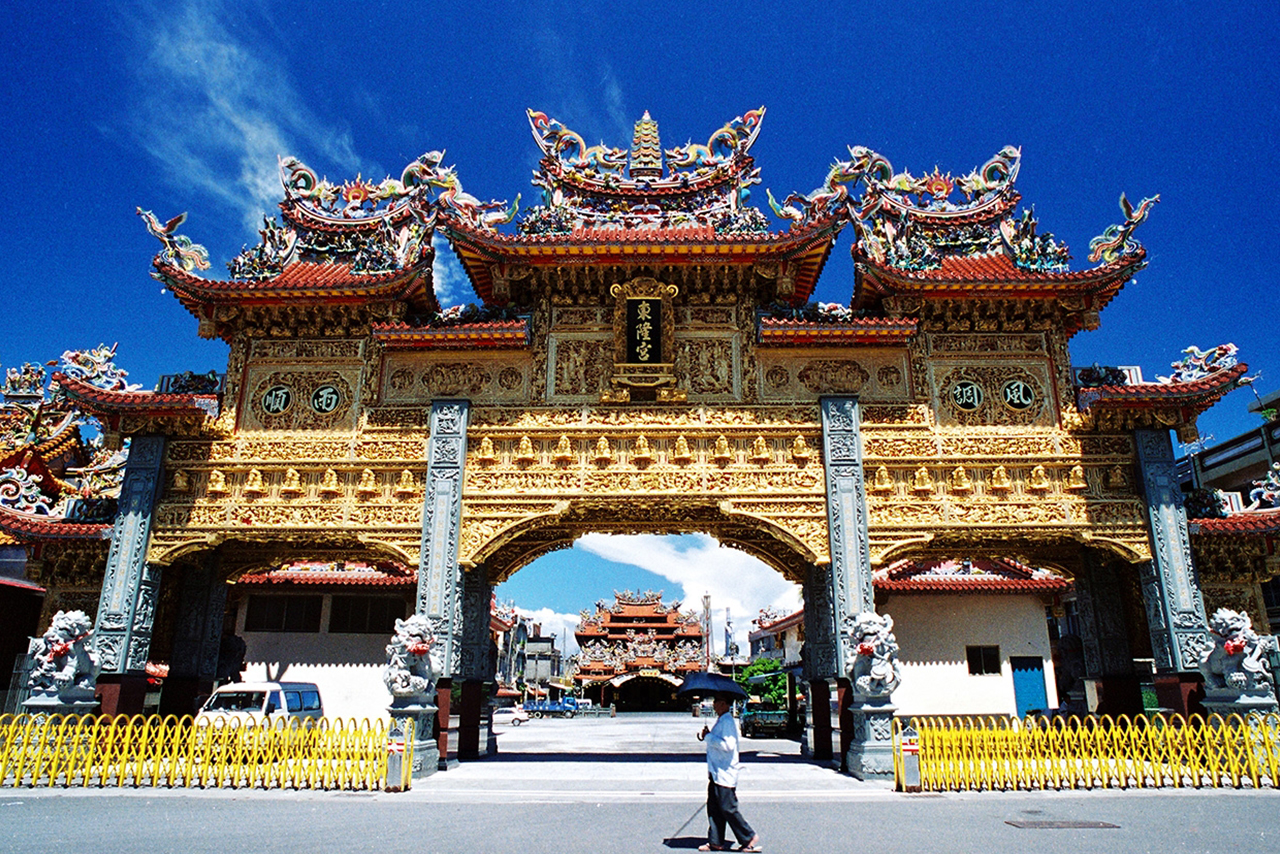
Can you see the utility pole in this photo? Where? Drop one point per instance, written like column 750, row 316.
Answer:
column 706, row 631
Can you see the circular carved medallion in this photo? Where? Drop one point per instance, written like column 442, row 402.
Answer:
column 966, row 395
column 1018, row 394
column 277, row 399
column 325, row 398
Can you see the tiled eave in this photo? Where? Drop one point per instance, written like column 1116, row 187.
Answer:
column 973, row 584
column 28, row 528
column 328, row 579
column 103, row 402
column 1189, row 398
column 300, row 281
column 1248, row 523
column 805, row 250
column 501, row 335
column 795, row 333
column 995, row 276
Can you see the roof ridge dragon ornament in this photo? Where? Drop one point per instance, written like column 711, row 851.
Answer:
column 178, row 249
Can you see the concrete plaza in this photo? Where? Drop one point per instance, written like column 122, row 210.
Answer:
column 634, row 783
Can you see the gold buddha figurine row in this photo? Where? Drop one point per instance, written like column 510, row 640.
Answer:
column 641, row 452
column 958, row 481
column 291, row 485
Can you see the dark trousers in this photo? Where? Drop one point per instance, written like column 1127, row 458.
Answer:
column 722, row 806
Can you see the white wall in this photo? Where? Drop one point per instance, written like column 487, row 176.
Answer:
column 933, row 631
column 346, row 667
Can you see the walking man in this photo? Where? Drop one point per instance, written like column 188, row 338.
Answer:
column 722, row 790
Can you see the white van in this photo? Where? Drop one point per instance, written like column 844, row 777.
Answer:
column 259, row 700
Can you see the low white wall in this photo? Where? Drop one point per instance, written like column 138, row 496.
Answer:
column 933, row 631
column 347, row 667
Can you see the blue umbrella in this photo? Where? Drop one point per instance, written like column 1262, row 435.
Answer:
column 704, row 684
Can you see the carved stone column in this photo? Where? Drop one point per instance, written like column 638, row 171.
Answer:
column 818, row 658
column 440, row 591
column 851, row 592
column 476, row 668
column 1107, row 657
column 863, row 721
column 1170, row 587
column 127, row 604
column 193, row 665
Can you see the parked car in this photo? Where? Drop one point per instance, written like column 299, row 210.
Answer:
column 255, row 701
column 563, row 708
column 763, row 719
column 513, row 715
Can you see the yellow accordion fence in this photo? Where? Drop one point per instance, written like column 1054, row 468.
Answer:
column 88, row 750
column 968, row 753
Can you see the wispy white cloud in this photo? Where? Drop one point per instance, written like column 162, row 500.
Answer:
column 561, row 625
column 450, row 280
column 700, row 565
column 216, row 108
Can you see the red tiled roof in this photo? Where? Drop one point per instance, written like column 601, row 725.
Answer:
column 984, row 576
column 28, row 528
column 21, row 584
column 998, row 272
column 782, row 622
column 1209, row 388
column 363, row 576
column 105, row 402
column 1248, row 522
column 868, row 330
column 493, row 334
column 806, row 248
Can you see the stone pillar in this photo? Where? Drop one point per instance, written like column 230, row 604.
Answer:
column 1170, row 587
column 476, row 663
column 127, row 604
column 818, row 657
column 863, row 720
column 193, row 665
column 850, row 578
column 1107, row 658
column 440, row 591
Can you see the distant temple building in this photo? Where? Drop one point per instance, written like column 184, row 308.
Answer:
column 634, row 651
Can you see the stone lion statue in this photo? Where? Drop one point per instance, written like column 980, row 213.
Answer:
column 1237, row 660
column 875, row 672
column 65, row 666
column 413, row 663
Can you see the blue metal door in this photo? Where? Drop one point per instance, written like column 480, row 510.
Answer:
column 1028, row 684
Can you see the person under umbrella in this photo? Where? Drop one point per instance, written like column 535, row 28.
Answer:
column 723, row 763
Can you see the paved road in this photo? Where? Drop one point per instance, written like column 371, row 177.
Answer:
column 634, row 784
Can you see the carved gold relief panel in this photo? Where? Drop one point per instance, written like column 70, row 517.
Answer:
column 420, row 378
column 301, row 398
column 972, row 395
column 579, row 364
column 875, row 375
column 709, row 364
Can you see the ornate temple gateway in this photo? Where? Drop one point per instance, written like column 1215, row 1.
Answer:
column 644, row 357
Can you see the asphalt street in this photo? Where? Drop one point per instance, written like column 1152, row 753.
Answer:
column 635, row 783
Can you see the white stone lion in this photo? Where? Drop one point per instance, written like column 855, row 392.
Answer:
column 413, row 662
column 875, row 672
column 1237, row 660
column 64, row 663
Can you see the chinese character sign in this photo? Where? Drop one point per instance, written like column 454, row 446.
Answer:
column 644, row 331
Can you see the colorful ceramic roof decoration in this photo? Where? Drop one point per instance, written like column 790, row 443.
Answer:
column 1197, row 382
column 1003, row 576
column 635, row 633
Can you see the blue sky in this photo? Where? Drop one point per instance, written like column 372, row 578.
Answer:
column 184, row 106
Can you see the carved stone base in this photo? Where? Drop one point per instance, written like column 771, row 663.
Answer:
column 426, row 754
column 73, row 703
column 1230, row 701
column 870, row 755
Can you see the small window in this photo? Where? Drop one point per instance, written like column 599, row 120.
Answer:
column 983, row 660
column 292, row 701
column 283, row 614
column 310, row 701
column 366, row 614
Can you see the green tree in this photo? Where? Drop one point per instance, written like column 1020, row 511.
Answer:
column 771, row 690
